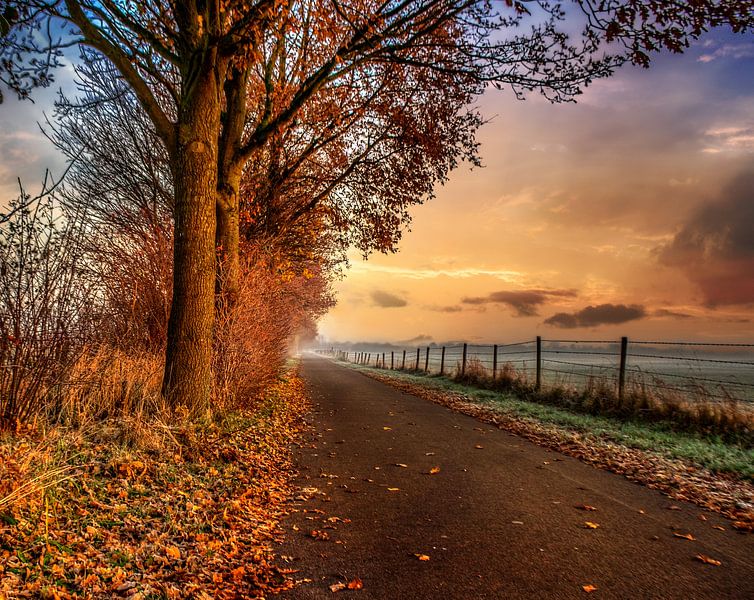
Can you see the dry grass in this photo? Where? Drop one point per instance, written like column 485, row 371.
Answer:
column 695, row 410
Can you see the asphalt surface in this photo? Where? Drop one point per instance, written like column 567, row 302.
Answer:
column 499, row 520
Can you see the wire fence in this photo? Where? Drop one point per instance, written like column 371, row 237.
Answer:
column 717, row 372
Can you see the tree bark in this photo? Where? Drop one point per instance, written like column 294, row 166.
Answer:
column 188, row 366
column 227, row 239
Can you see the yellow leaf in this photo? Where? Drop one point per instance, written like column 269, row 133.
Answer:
column 422, row 557
column 393, row 489
column 589, row 588
column 386, row 428
column 401, row 465
column 707, row 560
column 172, row 552
column 590, row 525
column 434, row 470
column 355, row 584
column 336, row 587
column 685, row 536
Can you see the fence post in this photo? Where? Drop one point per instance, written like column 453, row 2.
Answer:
column 442, row 361
column 426, row 361
column 383, row 360
column 622, row 372
column 392, row 360
column 463, row 360
column 417, row 359
column 539, row 362
column 494, row 362
column 403, row 364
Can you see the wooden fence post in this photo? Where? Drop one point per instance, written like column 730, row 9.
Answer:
column 426, row 361
column 403, row 365
column 494, row 362
column 383, row 360
column 442, row 361
column 539, row 362
column 417, row 359
column 392, row 360
column 622, row 372
column 463, row 360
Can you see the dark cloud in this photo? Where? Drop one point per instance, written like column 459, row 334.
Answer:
column 524, row 302
column 387, row 300
column 664, row 312
column 715, row 248
column 602, row 314
column 446, row 309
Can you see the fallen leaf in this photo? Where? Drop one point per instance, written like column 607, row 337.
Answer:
column 707, row 560
column 674, row 507
column 336, row 587
column 386, row 428
column 355, row 584
column 401, row 465
column 429, row 454
column 238, row 573
column 434, row 470
column 718, row 527
column 393, row 489
column 584, row 507
column 479, row 446
column 590, row 525
column 172, row 552
column 743, row 526
column 702, row 517
column 685, row 536
column 319, row 535
column 422, row 557
column 589, row 588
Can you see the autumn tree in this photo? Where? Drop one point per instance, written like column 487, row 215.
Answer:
column 200, row 70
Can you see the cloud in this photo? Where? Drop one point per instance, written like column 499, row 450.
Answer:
column 524, row 302
column 735, row 51
column 419, row 339
column 715, row 247
column 446, row 309
column 387, row 300
column 409, row 273
column 602, row 314
column 664, row 312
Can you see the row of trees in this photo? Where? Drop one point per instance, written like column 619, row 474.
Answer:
column 281, row 132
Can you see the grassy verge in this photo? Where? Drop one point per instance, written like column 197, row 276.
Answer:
column 711, row 451
column 183, row 510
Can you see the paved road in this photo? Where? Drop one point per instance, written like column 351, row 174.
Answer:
column 497, row 521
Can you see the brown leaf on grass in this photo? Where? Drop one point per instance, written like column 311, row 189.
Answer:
column 707, row 560
column 319, row 535
column 434, row 470
column 584, row 507
column 401, row 465
column 336, row 587
column 422, row 557
column 238, row 573
column 589, row 588
column 674, row 507
column 685, row 536
column 743, row 526
column 355, row 584
column 590, row 525
column 479, row 447
column 386, row 428
column 718, row 527
column 172, row 552
column 393, row 489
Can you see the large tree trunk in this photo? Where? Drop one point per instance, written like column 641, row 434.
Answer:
column 188, row 365
column 227, row 240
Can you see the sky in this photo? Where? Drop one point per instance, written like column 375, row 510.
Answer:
column 630, row 213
